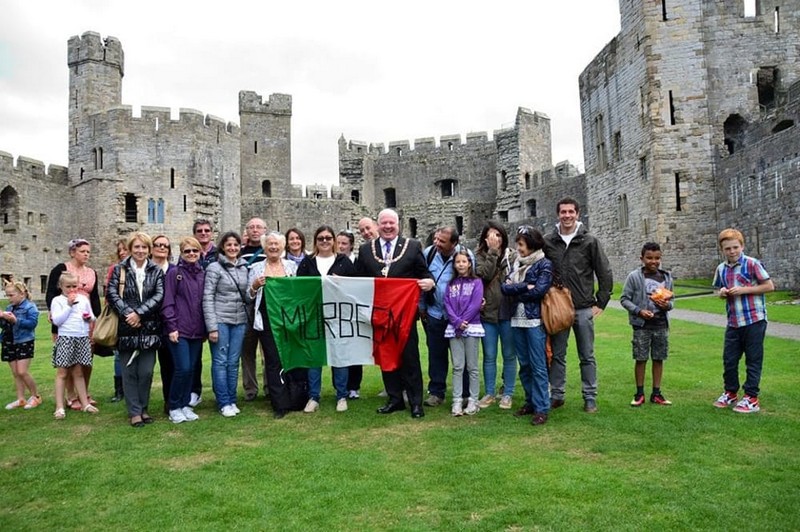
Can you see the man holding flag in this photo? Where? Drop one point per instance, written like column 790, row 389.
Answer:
column 391, row 255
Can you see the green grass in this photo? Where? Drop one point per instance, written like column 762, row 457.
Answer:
column 689, row 466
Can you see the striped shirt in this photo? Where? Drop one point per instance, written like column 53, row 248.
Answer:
column 746, row 309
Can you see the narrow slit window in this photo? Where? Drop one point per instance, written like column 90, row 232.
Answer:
column 171, row 178
column 671, row 109
column 777, row 19
column 255, row 147
column 664, row 10
column 677, row 191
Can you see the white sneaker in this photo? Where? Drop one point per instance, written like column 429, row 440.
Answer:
column 19, row 403
column 506, row 402
column 189, row 414
column 341, row 405
column 311, row 406
column 457, row 410
column 176, row 416
column 472, row 407
column 195, row 400
column 236, row 409
column 227, row 411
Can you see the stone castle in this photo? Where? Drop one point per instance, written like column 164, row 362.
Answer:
column 688, row 127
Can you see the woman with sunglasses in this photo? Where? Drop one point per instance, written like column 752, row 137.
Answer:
column 161, row 255
column 224, row 308
column 322, row 262
column 182, row 312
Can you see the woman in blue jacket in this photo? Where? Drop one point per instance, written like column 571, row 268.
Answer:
column 528, row 282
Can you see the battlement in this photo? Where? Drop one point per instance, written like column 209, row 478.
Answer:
column 160, row 117
column 447, row 143
column 92, row 47
column 33, row 168
column 277, row 104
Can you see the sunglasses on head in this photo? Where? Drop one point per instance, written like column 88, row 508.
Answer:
column 524, row 229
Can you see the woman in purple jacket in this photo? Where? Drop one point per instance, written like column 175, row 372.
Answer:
column 184, row 325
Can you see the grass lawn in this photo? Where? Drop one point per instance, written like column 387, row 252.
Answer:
column 688, row 466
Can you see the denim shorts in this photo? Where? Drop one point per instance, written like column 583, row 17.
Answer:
column 650, row 343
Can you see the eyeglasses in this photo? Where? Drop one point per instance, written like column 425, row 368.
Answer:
column 324, row 238
column 161, row 245
column 205, row 230
column 190, row 251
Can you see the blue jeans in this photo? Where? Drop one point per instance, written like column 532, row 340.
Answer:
column 494, row 332
column 225, row 354
column 530, row 343
column 750, row 341
column 584, row 339
column 185, row 355
column 315, row 383
column 438, row 356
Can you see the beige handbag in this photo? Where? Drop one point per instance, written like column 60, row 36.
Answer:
column 558, row 312
column 105, row 328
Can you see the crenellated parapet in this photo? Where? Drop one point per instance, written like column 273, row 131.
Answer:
column 422, row 146
column 276, row 104
column 160, row 118
column 91, row 47
column 27, row 167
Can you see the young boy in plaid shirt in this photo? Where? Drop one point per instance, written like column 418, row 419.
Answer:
column 742, row 281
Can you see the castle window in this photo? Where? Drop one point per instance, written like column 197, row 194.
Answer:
column 448, row 187
column 399, row 151
column 42, row 219
column 449, row 146
column 503, row 175
column 618, row 146
column 412, row 226
column 131, row 209
column 664, row 10
column 777, row 19
column 503, row 215
column 642, row 103
column 531, row 206
column 81, row 173
column 460, row 224
column 30, row 218
column 600, row 143
column 43, row 284
column 527, row 180
column 622, row 211
column 160, row 211
column 358, row 150
column 677, row 191
column 9, row 203
column 671, row 102
column 355, row 196
column 390, row 198
column 643, row 168
column 266, row 188
column 185, row 203
column 734, row 130
column 766, row 81
column 752, row 8
column 171, row 178
column 94, row 158
column 151, row 211
column 255, row 147
column 100, row 157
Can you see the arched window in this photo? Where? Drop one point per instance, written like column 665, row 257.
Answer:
column 160, row 211
column 9, row 208
column 151, row 211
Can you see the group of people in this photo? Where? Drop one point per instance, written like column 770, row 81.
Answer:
column 491, row 296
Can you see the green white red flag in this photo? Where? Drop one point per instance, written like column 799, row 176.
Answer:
column 341, row 321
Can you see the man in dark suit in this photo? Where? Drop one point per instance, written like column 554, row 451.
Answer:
column 391, row 255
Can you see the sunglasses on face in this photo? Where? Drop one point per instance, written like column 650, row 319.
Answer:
column 324, row 238
column 203, row 231
column 161, row 245
column 190, row 251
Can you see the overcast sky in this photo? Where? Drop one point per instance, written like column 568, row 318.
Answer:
column 373, row 71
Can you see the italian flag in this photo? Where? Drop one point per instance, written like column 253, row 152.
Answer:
column 341, row 321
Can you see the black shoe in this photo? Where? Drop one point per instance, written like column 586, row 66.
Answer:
column 556, row 403
column 526, row 410
column 390, row 407
column 148, row 420
column 417, row 411
column 539, row 419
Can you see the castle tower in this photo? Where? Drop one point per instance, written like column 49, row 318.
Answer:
column 96, row 67
column 265, row 151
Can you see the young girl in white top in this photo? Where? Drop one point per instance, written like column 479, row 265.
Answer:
column 462, row 301
column 71, row 312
